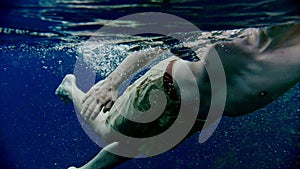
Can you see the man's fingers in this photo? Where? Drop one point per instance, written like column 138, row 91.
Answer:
column 96, row 111
column 86, row 105
column 108, row 106
column 88, row 94
column 90, row 110
column 104, row 105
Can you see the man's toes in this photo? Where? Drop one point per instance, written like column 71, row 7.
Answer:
column 57, row 91
column 72, row 167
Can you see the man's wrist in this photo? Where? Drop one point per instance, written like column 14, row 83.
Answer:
column 115, row 81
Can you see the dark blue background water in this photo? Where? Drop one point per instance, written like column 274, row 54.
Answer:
column 37, row 131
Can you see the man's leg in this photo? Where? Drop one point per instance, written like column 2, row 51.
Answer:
column 68, row 90
column 104, row 159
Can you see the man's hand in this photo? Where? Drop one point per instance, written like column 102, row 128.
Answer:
column 100, row 96
column 104, row 93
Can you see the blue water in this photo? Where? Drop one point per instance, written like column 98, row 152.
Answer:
column 40, row 43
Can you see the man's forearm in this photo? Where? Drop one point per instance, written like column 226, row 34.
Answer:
column 132, row 64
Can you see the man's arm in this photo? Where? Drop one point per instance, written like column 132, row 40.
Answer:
column 132, row 64
column 104, row 93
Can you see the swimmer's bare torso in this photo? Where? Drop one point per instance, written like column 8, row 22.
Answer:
column 258, row 68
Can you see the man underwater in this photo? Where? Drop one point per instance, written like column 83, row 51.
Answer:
column 258, row 68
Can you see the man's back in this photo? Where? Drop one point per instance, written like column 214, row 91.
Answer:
column 260, row 67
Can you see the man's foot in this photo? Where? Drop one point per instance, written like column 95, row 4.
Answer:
column 72, row 167
column 64, row 90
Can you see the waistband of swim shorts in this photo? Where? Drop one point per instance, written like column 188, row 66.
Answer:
column 168, row 81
